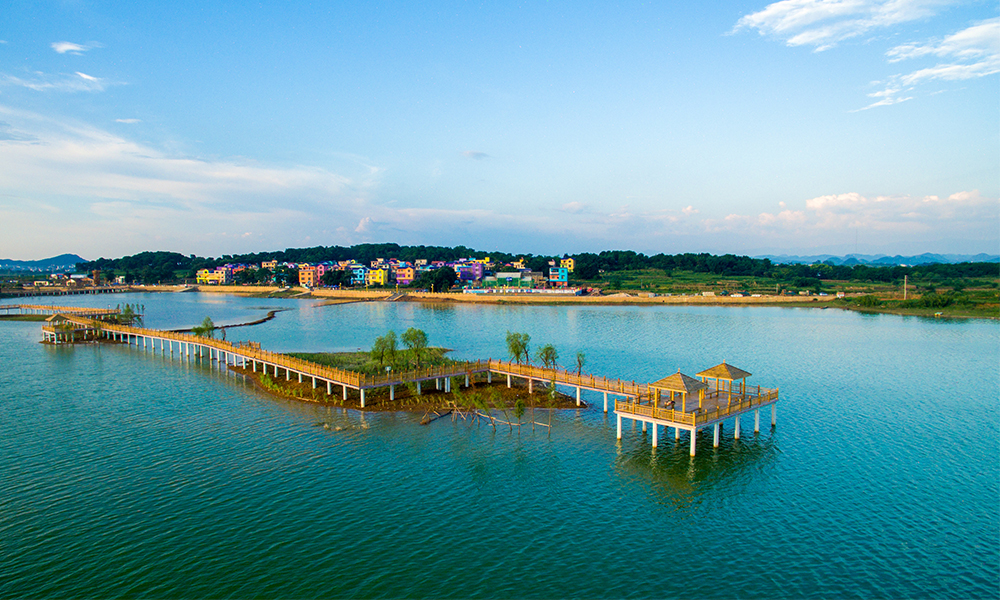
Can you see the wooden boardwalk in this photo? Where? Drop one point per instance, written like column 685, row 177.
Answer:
column 639, row 401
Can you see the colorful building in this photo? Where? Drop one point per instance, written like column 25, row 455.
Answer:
column 377, row 277
column 559, row 276
column 269, row 264
column 470, row 271
column 405, row 275
column 307, row 275
column 568, row 263
column 212, row 277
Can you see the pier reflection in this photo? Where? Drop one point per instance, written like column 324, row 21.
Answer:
column 674, row 478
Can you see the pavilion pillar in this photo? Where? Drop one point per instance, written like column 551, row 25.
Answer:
column 619, row 426
column 756, row 420
column 656, row 431
column 715, row 436
column 736, row 428
column 694, row 438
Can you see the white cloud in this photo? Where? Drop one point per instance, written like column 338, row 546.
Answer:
column 834, row 217
column 824, row 23
column 64, row 47
column 62, row 82
column 128, row 121
column 475, row 155
column 690, row 210
column 572, row 207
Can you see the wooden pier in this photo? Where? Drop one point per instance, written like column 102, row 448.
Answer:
column 677, row 401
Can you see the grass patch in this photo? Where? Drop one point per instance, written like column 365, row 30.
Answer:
column 363, row 362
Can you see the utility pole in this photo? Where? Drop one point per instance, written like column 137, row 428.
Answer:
column 906, row 278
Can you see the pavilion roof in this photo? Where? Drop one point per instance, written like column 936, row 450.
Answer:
column 679, row 382
column 724, row 371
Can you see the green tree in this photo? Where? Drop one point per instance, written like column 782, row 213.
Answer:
column 384, row 347
column 206, row 329
column 548, row 355
column 416, row 341
column 517, row 346
column 581, row 359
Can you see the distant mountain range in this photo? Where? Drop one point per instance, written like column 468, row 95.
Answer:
column 63, row 262
column 881, row 260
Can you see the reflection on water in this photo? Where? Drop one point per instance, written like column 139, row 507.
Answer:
column 674, row 478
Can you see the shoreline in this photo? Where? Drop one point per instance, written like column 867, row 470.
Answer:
column 336, row 297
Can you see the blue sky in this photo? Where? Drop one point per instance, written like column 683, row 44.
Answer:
column 798, row 126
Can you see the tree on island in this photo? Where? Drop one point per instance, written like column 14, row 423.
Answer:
column 384, row 345
column 581, row 359
column 548, row 355
column 517, row 346
column 206, row 329
column 416, row 341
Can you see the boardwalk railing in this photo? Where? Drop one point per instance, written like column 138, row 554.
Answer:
column 338, row 376
column 593, row 382
column 739, row 404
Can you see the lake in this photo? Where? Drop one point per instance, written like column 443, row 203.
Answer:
column 125, row 473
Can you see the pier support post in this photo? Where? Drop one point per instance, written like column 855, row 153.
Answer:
column 362, row 397
column 694, row 438
column 300, row 377
column 677, row 434
column 715, row 437
column 254, row 365
column 756, row 420
column 345, row 391
column 466, row 380
column 605, row 402
column 578, row 395
column 447, row 385
column 288, row 374
column 736, row 428
column 418, row 388
column 489, row 376
column 619, row 426
column 392, row 393
column 508, row 381
column 314, row 382
column 774, row 414
column 329, row 388
column 531, row 388
column 656, row 432
column 644, row 427
column 437, row 383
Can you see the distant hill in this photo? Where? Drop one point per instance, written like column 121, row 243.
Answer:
column 881, row 260
column 63, row 262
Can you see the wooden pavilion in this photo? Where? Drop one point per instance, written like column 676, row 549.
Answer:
column 679, row 384
column 725, row 376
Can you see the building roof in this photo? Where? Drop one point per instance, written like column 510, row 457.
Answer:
column 679, row 382
column 724, row 371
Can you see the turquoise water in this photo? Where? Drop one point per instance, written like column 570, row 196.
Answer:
column 131, row 474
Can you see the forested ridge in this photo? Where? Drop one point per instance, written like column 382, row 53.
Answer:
column 164, row 267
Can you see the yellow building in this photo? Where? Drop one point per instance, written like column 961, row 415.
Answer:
column 568, row 264
column 518, row 264
column 269, row 264
column 209, row 277
column 307, row 275
column 377, row 277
